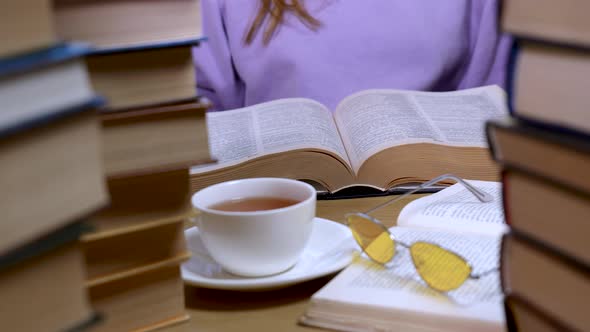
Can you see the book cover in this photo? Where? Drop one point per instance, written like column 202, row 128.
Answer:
column 10, row 128
column 147, row 46
column 68, row 234
column 29, row 61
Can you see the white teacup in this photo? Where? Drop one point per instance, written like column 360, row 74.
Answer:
column 261, row 242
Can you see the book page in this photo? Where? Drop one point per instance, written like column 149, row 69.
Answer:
column 282, row 125
column 397, row 293
column 373, row 120
column 456, row 208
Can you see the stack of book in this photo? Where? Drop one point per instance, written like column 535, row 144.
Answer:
column 153, row 131
column 51, row 174
column 544, row 149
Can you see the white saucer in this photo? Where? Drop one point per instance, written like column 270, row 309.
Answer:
column 330, row 249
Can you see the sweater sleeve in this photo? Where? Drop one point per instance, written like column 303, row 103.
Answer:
column 216, row 77
column 489, row 48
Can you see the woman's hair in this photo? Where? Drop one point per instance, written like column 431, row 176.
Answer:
column 275, row 11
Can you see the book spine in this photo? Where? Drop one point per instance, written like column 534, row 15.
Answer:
column 556, row 261
column 504, row 282
column 521, row 38
column 37, row 247
column 507, row 169
column 515, row 306
column 551, row 127
column 569, row 144
column 490, row 128
column 512, row 92
column 94, row 319
column 511, row 74
column 30, row 61
column 545, row 248
column 541, row 37
column 505, row 191
column 511, row 325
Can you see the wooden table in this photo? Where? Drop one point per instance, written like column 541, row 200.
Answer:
column 276, row 310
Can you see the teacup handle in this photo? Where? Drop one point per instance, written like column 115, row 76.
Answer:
column 194, row 217
column 205, row 257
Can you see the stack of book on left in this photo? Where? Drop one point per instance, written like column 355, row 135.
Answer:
column 51, row 174
column 153, row 130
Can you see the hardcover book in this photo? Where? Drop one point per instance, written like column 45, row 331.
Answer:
column 29, row 30
column 144, row 76
column 155, row 139
column 142, row 299
column 522, row 316
column 549, row 86
column 130, row 22
column 36, row 86
column 554, row 283
column 563, row 21
column 537, row 208
column 142, row 201
column 113, row 253
column 367, row 296
column 42, row 284
column 541, row 151
column 375, row 138
column 51, row 170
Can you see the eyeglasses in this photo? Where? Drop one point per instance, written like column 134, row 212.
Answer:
column 440, row 268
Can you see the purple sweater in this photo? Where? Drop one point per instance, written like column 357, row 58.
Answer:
column 428, row 45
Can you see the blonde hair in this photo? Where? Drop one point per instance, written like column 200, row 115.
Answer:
column 275, row 11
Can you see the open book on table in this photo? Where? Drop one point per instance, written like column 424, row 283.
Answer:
column 375, row 138
column 366, row 296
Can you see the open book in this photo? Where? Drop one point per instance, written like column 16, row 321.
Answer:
column 376, row 138
column 369, row 297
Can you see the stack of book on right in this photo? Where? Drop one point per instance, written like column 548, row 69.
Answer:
column 544, row 150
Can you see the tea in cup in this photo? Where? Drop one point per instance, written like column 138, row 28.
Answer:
column 256, row 227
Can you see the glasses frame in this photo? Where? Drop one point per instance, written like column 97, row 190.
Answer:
column 480, row 195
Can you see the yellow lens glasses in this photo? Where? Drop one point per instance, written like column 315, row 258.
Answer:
column 372, row 237
column 441, row 269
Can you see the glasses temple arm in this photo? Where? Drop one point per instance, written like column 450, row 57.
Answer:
column 481, row 195
column 483, row 274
